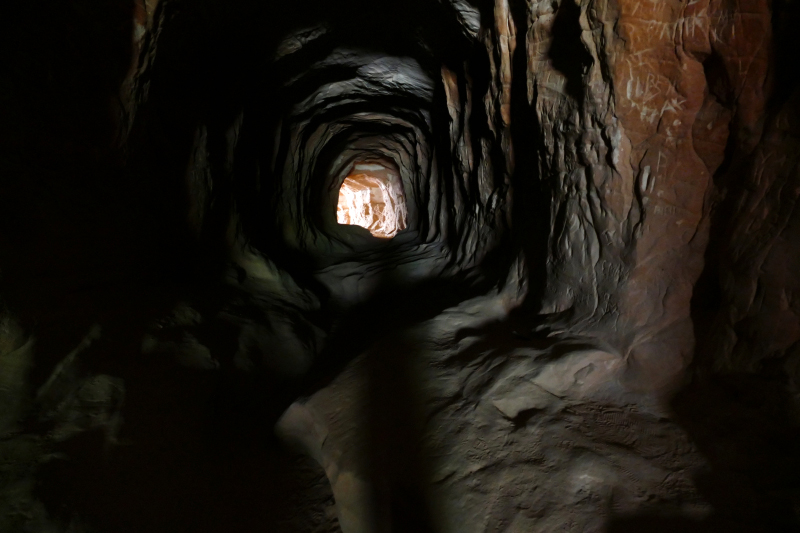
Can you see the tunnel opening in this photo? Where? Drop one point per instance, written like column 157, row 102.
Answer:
column 372, row 197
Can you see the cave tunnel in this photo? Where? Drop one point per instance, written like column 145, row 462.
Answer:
column 399, row 266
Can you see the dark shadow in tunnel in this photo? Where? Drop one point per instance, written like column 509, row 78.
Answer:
column 189, row 455
column 87, row 240
column 531, row 200
column 741, row 426
column 396, row 465
column 567, row 51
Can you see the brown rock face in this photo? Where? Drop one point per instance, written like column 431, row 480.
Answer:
column 633, row 129
column 581, row 312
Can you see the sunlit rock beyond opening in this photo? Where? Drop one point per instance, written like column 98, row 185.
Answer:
column 371, row 197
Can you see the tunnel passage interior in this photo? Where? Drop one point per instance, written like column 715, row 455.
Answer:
column 372, row 197
column 428, row 243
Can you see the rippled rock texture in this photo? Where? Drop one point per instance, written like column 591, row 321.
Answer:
column 431, row 265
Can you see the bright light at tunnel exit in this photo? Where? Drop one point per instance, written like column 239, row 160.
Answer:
column 370, row 199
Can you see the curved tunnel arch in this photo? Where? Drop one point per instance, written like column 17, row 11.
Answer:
column 502, row 363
